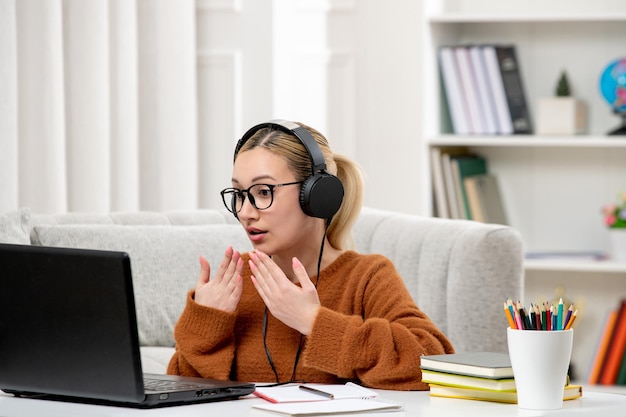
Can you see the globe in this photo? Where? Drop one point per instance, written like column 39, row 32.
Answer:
column 613, row 89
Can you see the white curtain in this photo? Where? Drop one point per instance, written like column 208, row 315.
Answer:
column 98, row 107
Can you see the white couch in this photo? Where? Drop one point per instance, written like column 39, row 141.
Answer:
column 459, row 272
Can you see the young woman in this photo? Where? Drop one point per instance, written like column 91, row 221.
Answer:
column 301, row 306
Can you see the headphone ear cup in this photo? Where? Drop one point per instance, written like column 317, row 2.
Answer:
column 321, row 195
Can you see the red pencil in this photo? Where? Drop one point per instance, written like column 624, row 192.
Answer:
column 549, row 316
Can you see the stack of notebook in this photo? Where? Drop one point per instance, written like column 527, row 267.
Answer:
column 486, row 376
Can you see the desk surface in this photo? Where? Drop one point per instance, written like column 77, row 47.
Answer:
column 416, row 404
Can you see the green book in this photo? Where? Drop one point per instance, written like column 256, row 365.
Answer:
column 464, row 166
column 621, row 376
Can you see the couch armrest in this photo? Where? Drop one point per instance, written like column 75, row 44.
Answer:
column 459, row 272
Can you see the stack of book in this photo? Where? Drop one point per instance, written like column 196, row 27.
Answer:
column 609, row 362
column 463, row 187
column 485, row 376
column 483, row 88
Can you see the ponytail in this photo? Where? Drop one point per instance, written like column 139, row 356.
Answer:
column 340, row 229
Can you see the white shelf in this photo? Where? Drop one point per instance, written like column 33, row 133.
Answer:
column 613, row 389
column 576, row 266
column 526, row 18
column 553, row 187
column 530, row 141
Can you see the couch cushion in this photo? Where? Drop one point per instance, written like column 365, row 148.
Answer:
column 15, row 226
column 164, row 261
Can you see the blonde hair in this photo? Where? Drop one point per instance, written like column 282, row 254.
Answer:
column 289, row 147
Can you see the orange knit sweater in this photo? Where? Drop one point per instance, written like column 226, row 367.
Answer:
column 368, row 330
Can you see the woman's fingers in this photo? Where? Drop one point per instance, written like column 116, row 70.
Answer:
column 205, row 272
column 224, row 290
column 293, row 305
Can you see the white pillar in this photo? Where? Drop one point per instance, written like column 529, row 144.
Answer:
column 86, row 27
column 41, row 116
column 167, row 104
column 124, row 105
column 8, row 107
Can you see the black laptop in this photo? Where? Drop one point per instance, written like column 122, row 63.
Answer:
column 68, row 330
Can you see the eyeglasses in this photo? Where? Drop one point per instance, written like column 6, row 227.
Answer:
column 261, row 196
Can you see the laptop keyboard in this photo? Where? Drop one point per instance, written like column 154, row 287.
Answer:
column 166, row 385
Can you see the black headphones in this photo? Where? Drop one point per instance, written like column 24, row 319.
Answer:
column 321, row 193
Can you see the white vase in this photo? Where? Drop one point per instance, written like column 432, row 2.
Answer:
column 618, row 244
column 560, row 116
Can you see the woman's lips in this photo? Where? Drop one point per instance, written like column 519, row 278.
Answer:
column 255, row 235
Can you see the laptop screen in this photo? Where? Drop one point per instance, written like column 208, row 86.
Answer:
column 68, row 323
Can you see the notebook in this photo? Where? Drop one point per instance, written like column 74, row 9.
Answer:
column 68, row 330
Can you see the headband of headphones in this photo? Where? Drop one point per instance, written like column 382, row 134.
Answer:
column 315, row 153
column 321, row 193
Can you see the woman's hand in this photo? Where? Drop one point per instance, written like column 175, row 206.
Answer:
column 295, row 306
column 223, row 292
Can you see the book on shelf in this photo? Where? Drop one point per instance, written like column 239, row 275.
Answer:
column 570, row 392
column 496, row 87
column 485, row 95
column 440, row 193
column 453, row 91
column 492, row 365
column 484, row 199
column 483, row 89
column 474, row 110
column 511, row 81
column 464, row 166
column 621, row 375
column 439, row 189
column 602, row 346
column 616, row 349
column 454, row 204
column 313, row 392
column 464, row 381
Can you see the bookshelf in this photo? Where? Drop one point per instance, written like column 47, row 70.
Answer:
column 552, row 186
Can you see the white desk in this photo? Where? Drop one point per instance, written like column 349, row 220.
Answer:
column 416, row 404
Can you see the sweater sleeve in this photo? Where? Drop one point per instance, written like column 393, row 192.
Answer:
column 205, row 343
column 382, row 346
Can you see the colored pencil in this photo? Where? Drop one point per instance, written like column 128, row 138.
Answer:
column 571, row 320
column 509, row 318
column 568, row 315
column 539, row 317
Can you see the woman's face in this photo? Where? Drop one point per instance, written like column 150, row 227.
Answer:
column 283, row 227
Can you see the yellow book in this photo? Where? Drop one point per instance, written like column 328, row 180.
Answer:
column 464, row 381
column 570, row 392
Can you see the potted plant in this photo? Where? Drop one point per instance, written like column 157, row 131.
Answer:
column 615, row 219
column 562, row 114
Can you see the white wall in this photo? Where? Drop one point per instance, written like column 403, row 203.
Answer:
column 386, row 36
column 348, row 68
